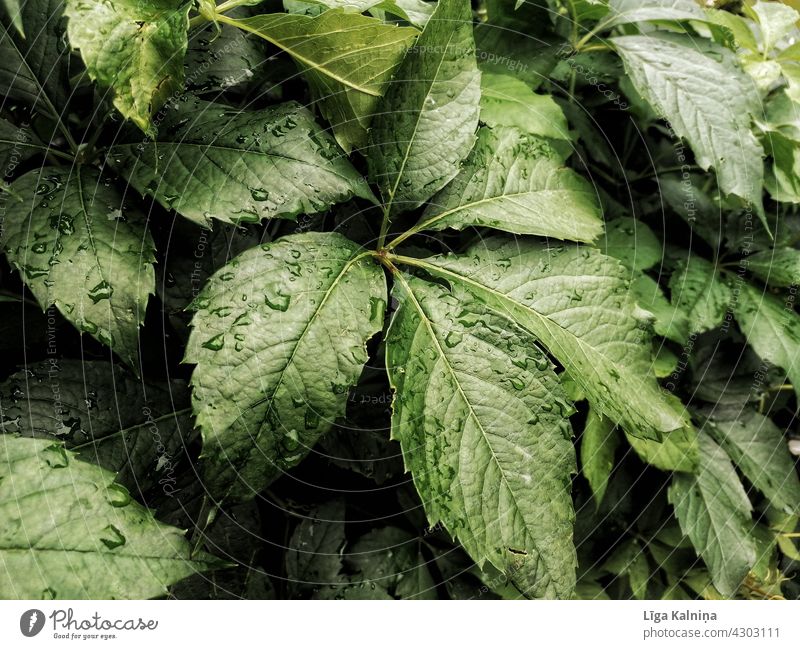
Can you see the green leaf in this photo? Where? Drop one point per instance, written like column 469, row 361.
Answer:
column 221, row 58
column 699, row 291
column 562, row 295
column 775, row 20
column 783, row 177
column 677, row 450
column 239, row 166
column 758, row 447
column 738, row 27
column 772, row 328
column 426, row 124
column 17, row 144
column 481, row 418
column 139, row 438
column 668, row 320
column 516, row 183
column 134, row 47
column 599, row 443
column 415, row 12
column 632, row 242
column 347, row 59
column 707, row 100
column 777, row 266
column 77, row 247
column 634, row 11
column 392, row 560
column 35, row 70
column 13, row 12
column 69, row 531
column 629, row 560
column 278, row 337
column 313, row 559
column 714, row 512
column 507, row 101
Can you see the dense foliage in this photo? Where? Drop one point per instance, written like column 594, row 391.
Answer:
column 399, row 299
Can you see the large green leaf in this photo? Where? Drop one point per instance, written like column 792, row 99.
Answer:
column 714, row 512
column 700, row 292
column 575, row 301
column 507, row 101
column 77, row 247
column 481, row 418
column 240, row 166
column 426, row 123
column 278, row 337
column 515, row 182
column 772, row 328
column 707, row 100
column 68, row 531
column 346, row 58
column 758, row 447
column 140, row 438
column 634, row 11
column 134, row 47
column 35, row 69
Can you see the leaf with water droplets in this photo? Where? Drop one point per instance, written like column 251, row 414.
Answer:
column 215, row 162
column 515, row 182
column 426, row 124
column 484, row 431
column 65, row 531
column 577, row 303
column 302, row 327
column 97, row 271
column 134, row 47
column 347, row 59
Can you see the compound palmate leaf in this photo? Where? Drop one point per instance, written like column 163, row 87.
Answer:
column 240, row 165
column 135, row 47
column 278, row 338
column 709, row 101
column 481, row 417
column 576, row 302
column 515, row 182
column 347, row 59
column 78, row 248
column 714, row 512
column 426, row 123
column 68, row 531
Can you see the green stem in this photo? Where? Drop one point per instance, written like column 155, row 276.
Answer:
column 220, row 9
column 385, row 228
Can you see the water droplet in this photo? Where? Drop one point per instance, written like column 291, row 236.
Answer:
column 215, row 343
column 114, row 538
